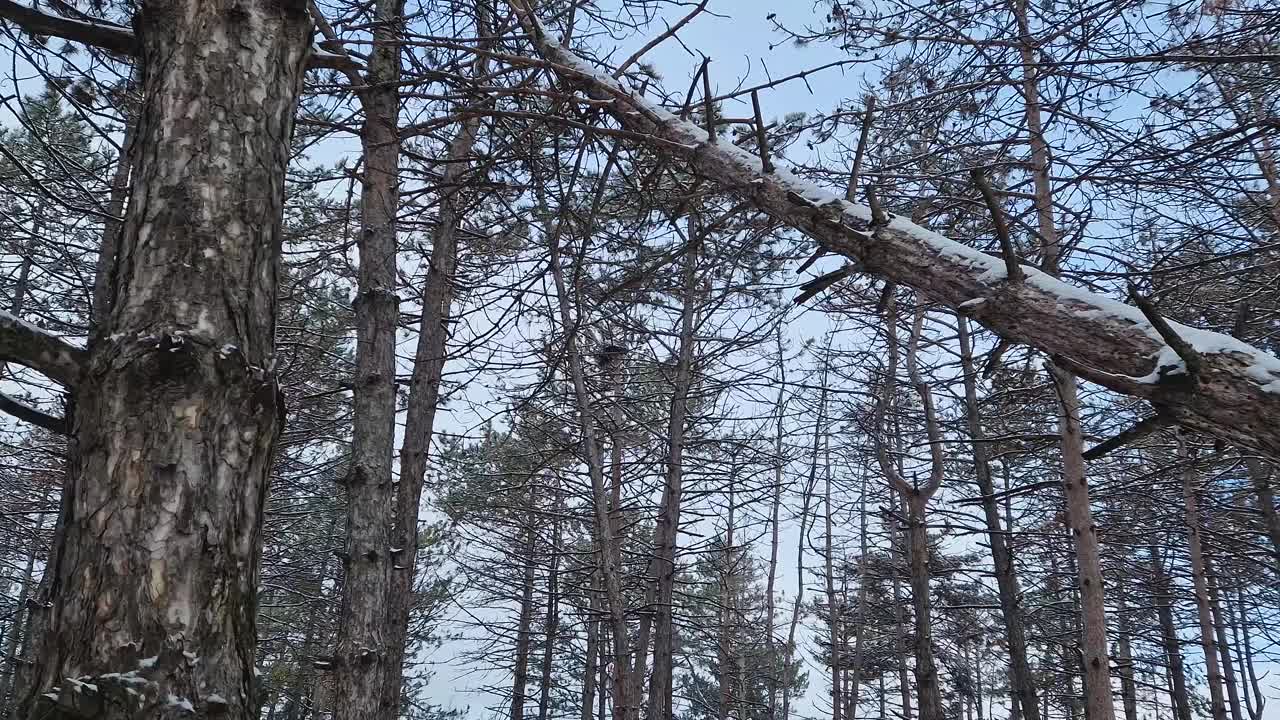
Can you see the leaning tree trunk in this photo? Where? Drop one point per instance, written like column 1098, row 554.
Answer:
column 1101, row 340
column 148, row 609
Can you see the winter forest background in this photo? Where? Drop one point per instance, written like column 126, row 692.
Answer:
column 599, row 402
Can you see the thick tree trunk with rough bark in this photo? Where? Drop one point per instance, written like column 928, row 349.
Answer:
column 148, row 608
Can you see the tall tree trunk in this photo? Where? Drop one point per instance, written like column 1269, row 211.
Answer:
column 1261, row 474
column 663, row 566
column 1124, row 658
column 524, row 633
column 552, row 622
column 1255, row 709
column 424, row 399
column 916, row 499
column 363, row 653
column 1190, row 497
column 928, row 692
column 899, row 616
column 727, row 612
column 834, row 611
column 855, row 669
column 591, row 656
column 177, row 408
column 1093, row 618
column 775, row 509
column 610, row 571
column 789, row 660
column 1006, row 579
column 1169, row 637
column 1224, row 647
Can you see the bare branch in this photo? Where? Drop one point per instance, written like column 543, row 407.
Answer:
column 26, row 413
column 1012, row 269
column 1142, row 429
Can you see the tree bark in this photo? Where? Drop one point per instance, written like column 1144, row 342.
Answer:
column 610, row 571
column 1213, row 670
column 151, row 585
column 1224, row 647
column 1097, row 664
column 1261, row 474
column 424, row 399
column 663, row 566
column 774, row 527
column 1006, row 578
column 362, row 654
column 552, row 626
column 524, row 633
column 1169, row 637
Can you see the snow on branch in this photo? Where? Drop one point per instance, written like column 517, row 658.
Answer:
column 25, row 344
column 115, row 38
column 1235, row 396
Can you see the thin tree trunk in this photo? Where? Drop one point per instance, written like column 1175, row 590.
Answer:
column 727, row 611
column 111, row 228
column 1006, row 578
column 1128, row 685
column 1097, row 664
column 424, row 399
column 524, row 633
column 552, row 625
column 16, row 625
column 1260, row 474
column 610, row 571
column 833, row 611
column 916, row 499
column 1224, row 647
column 663, row 567
column 775, row 510
column 899, row 621
column 1169, row 637
column 363, row 654
column 591, row 657
column 789, row 660
column 855, row 669
column 177, row 408
column 1255, row 710
column 1213, row 672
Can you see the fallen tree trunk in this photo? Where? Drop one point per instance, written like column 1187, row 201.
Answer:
column 1229, row 389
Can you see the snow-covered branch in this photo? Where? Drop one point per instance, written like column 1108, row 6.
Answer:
column 28, row 345
column 1235, row 394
